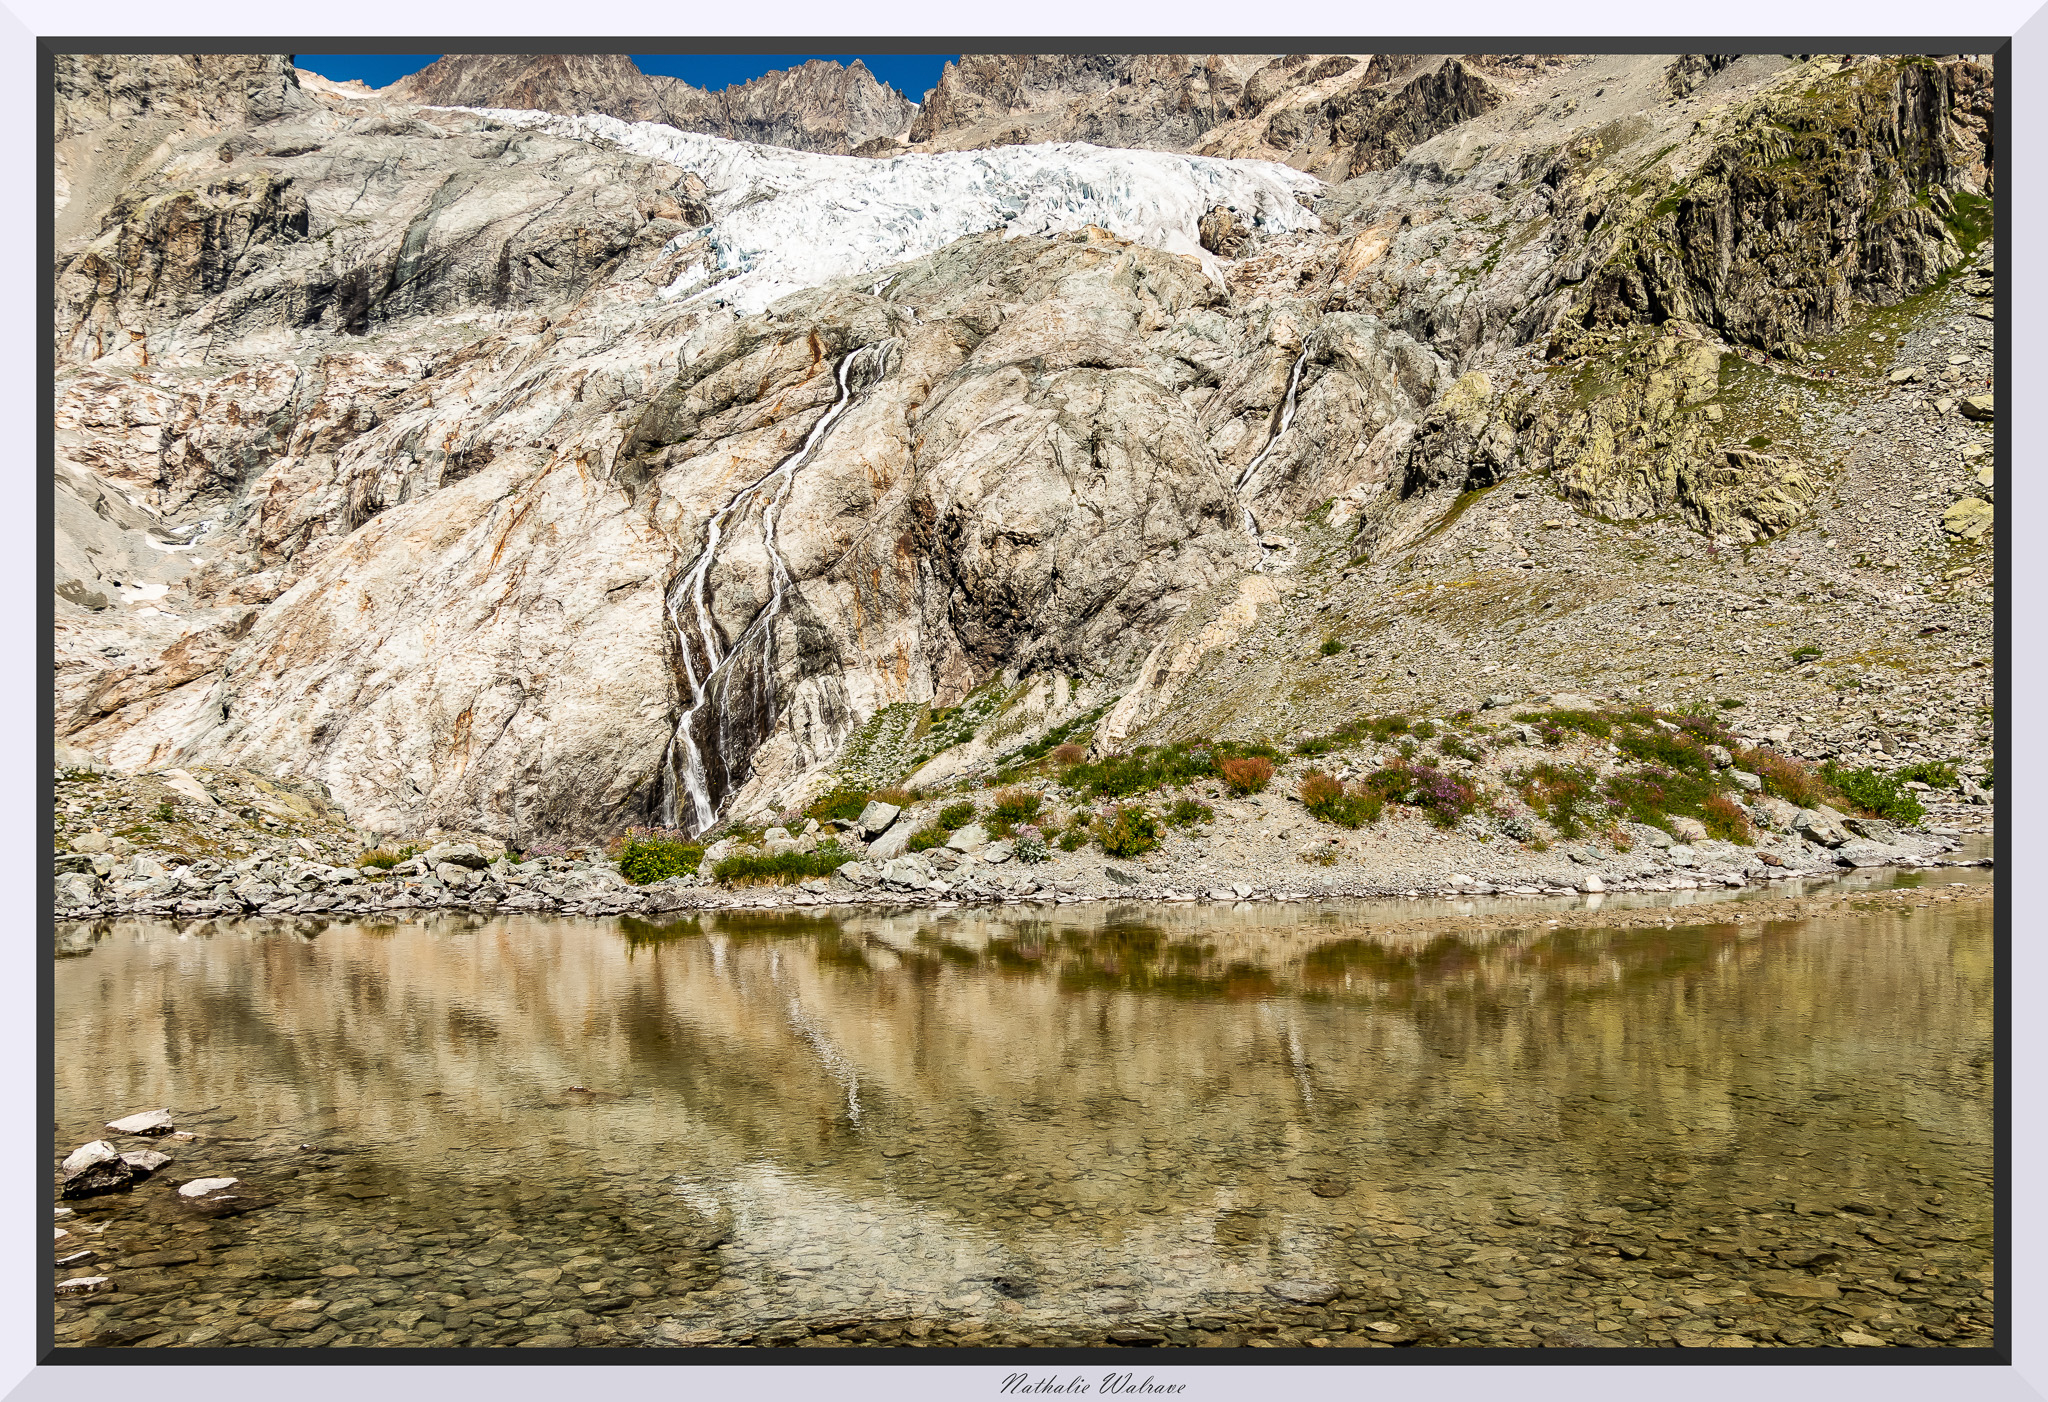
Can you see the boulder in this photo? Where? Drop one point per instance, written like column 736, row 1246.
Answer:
column 1876, row 829
column 96, row 1168
column 1746, row 781
column 76, row 888
column 1689, row 829
column 1979, row 407
column 874, row 819
column 1774, row 813
column 93, row 841
column 1719, row 754
column 1815, row 825
column 186, row 787
column 969, row 838
column 997, row 851
column 461, row 854
column 1969, row 519
column 891, row 844
column 144, row 1162
column 1861, row 852
column 144, row 1122
column 1592, row 886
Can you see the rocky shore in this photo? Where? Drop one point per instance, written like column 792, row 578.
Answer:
column 1259, row 847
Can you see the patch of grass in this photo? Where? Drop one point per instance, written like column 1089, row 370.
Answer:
column 385, row 858
column 643, row 860
column 1331, row 647
column 840, row 805
column 956, row 815
column 1804, row 654
column 1129, row 830
column 165, row 813
column 1073, row 837
column 1329, row 801
column 1068, row 755
column 1455, row 747
column 1442, row 799
column 1552, row 727
column 1377, row 728
column 1323, row 856
column 1731, row 703
column 1564, row 795
column 784, row 870
column 1055, row 742
column 1876, row 793
column 1249, row 775
column 1783, row 777
column 1653, row 797
column 1188, row 813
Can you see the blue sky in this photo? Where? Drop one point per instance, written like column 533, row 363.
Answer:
column 911, row 74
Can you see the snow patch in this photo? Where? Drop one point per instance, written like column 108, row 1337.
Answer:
column 786, row 220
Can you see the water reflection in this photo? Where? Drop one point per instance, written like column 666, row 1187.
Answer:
column 1034, row 1124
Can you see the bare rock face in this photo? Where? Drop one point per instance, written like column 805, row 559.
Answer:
column 567, row 83
column 1163, row 102
column 816, row 106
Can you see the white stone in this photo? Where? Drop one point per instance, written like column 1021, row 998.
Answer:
column 200, row 1187
column 144, row 1122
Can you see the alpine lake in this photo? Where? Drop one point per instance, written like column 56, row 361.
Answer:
column 1740, row 1121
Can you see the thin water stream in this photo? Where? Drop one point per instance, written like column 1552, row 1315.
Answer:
column 1354, row 1124
column 710, row 706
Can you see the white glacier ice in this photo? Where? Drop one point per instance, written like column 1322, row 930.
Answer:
column 785, row 220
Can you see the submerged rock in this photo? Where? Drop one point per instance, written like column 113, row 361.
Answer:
column 145, row 1122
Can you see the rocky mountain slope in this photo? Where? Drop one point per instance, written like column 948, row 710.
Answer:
column 441, row 457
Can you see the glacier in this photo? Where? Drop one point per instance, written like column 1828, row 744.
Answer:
column 784, row 220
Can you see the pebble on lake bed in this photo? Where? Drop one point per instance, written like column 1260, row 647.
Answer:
column 200, row 1187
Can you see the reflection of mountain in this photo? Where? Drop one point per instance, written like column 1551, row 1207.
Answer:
column 1050, row 1097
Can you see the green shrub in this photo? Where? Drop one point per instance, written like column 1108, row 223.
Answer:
column 644, row 860
column 1441, row 798
column 1805, row 654
column 1731, row 703
column 784, row 870
column 1249, row 775
column 1423, row 730
column 1012, row 807
column 1934, row 773
column 1724, row 818
column 955, row 815
column 1073, row 837
column 927, row 837
column 1128, row 831
column 1030, row 846
column 1329, row 801
column 1331, row 647
column 1990, row 779
column 1654, row 745
column 1189, row 813
column 1875, row 792
column 384, row 858
column 1564, row 795
column 165, row 813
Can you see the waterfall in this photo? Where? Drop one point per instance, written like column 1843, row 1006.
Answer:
column 1244, row 478
column 740, row 722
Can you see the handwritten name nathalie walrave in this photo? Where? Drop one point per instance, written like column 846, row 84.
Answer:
column 1113, row 1384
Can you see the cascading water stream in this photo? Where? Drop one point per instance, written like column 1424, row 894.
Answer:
column 1244, row 478
column 689, row 605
